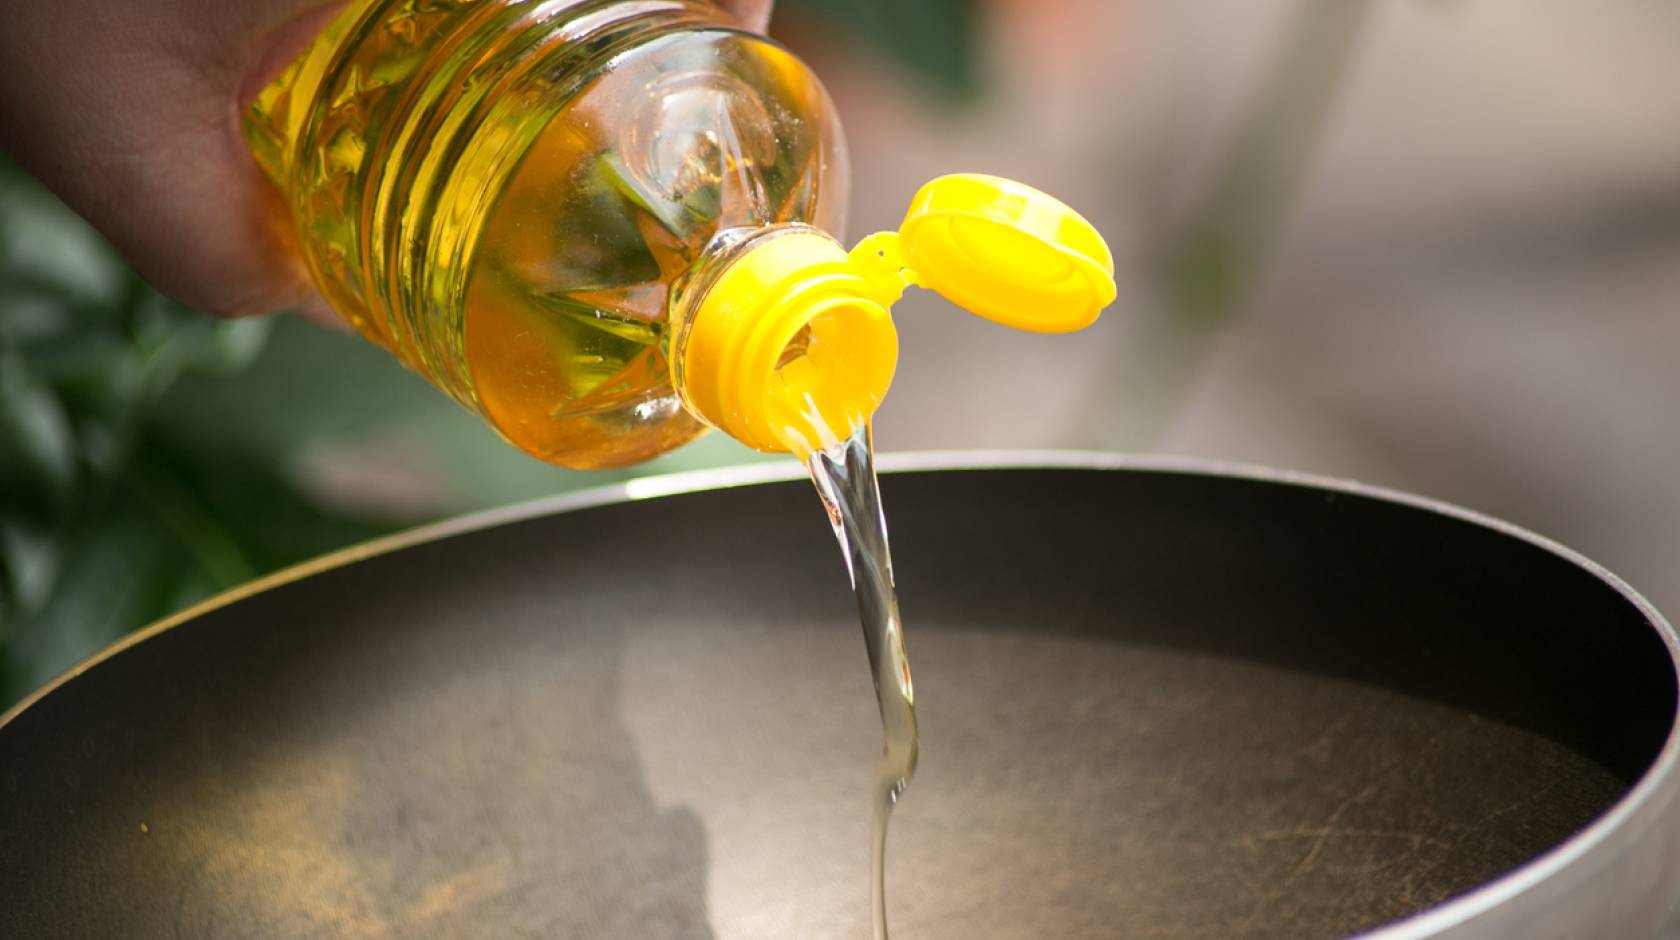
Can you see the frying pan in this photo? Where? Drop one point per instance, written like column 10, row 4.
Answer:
column 1158, row 700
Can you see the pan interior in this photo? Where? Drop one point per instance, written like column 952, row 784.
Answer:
column 1152, row 704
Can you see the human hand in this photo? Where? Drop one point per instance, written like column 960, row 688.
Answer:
column 130, row 112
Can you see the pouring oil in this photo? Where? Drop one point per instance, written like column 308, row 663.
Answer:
column 844, row 474
column 603, row 226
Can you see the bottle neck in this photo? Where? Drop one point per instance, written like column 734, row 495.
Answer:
column 781, row 340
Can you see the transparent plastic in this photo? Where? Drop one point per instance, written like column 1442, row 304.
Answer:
column 506, row 193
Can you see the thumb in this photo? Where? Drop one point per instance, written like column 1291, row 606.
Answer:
column 753, row 14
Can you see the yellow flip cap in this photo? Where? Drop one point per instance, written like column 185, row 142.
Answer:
column 1008, row 252
column 792, row 347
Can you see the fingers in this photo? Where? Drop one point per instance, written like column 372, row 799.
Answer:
column 129, row 112
column 753, row 14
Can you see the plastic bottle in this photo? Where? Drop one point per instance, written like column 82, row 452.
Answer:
column 603, row 226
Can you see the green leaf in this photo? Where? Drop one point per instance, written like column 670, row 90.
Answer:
column 121, row 567
column 37, row 447
column 41, row 238
column 234, row 346
column 30, row 556
column 241, row 515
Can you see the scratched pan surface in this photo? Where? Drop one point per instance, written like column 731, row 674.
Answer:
column 1156, row 702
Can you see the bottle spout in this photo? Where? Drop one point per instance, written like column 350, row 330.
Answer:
column 792, row 345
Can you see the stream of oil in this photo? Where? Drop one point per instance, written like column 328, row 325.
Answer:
column 844, row 474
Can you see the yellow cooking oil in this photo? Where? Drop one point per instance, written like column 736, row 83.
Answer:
column 608, row 225
column 503, row 193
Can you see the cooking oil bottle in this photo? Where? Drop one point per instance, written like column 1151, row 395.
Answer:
column 605, row 225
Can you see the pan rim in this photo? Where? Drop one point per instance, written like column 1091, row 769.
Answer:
column 1604, row 837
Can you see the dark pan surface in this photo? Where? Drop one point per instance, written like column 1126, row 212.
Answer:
column 1153, row 705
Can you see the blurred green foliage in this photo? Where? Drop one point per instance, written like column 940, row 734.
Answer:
column 110, row 515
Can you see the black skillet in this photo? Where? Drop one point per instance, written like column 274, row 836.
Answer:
column 1159, row 701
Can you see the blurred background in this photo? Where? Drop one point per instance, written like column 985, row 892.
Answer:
column 1431, row 244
